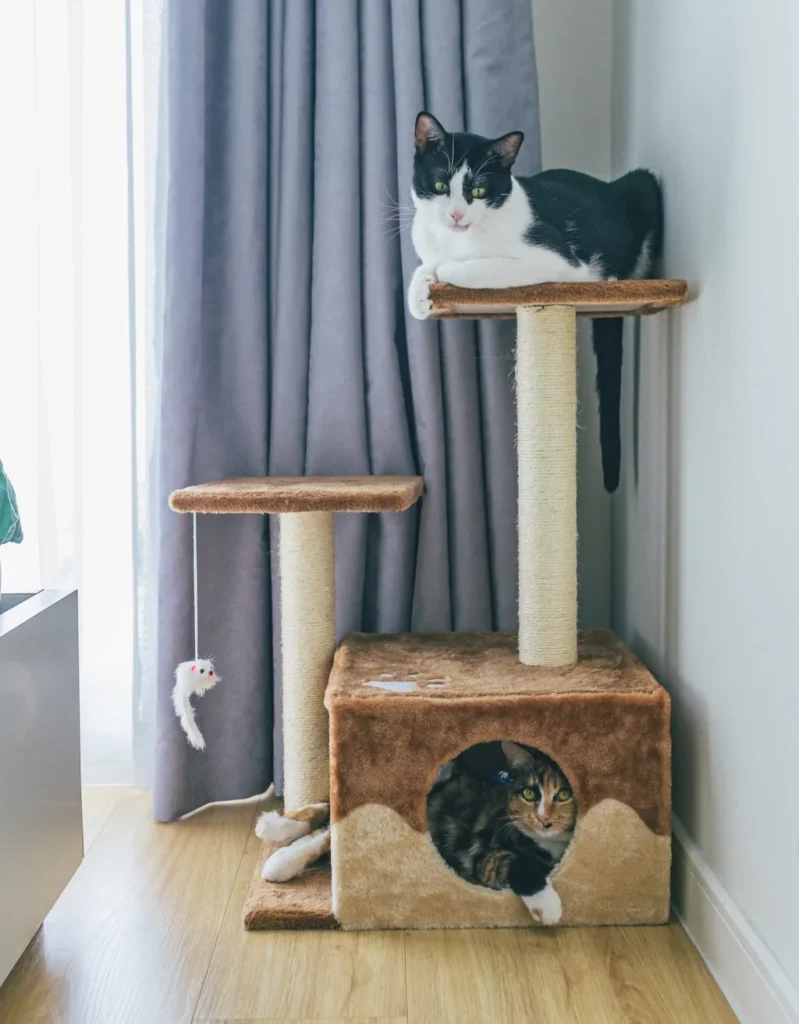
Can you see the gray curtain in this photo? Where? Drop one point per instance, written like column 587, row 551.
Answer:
column 288, row 348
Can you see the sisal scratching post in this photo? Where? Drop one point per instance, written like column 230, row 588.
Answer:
column 307, row 597
column 546, row 404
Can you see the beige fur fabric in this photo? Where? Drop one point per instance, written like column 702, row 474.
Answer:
column 389, row 876
column 634, row 863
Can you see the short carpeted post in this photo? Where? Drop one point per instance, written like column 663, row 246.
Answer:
column 546, row 404
column 307, row 631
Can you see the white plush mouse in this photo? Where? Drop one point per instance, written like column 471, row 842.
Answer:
column 192, row 677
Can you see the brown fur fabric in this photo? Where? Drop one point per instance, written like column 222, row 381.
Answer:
column 270, row 494
column 605, row 720
column 304, row 902
column 634, row 298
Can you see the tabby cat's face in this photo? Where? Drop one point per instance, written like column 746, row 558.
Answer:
column 540, row 801
column 459, row 178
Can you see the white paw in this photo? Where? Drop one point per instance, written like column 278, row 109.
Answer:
column 545, row 906
column 455, row 272
column 284, row 864
column 273, row 827
column 419, row 302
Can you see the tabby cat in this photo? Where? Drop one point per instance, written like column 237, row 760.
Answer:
column 506, row 830
column 477, row 225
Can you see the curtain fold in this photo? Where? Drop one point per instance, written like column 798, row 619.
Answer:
column 287, row 348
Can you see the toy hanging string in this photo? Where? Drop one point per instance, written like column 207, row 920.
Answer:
column 193, row 676
column 196, row 587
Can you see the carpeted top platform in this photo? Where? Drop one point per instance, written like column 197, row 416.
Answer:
column 445, row 666
column 270, row 494
column 590, row 298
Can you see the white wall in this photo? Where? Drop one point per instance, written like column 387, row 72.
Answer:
column 573, row 50
column 574, row 56
column 706, row 545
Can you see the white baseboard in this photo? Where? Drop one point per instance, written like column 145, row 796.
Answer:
column 753, row 982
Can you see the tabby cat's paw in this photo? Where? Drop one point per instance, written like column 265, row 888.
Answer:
column 419, row 302
column 284, row 864
column 545, row 906
column 272, row 827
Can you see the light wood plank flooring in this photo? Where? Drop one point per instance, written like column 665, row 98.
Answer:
column 149, row 932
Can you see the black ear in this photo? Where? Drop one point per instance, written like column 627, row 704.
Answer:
column 517, row 756
column 507, row 148
column 428, row 131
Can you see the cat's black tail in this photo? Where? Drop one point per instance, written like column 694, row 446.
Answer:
column 642, row 196
column 608, row 351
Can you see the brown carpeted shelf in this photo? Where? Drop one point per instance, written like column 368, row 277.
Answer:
column 270, row 494
column 590, row 298
column 304, row 902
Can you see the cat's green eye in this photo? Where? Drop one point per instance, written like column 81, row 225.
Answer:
column 441, row 187
column 529, row 794
column 478, row 193
column 563, row 795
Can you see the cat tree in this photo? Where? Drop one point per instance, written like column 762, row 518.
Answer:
column 399, row 707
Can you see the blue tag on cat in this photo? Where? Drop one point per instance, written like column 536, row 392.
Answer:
column 502, row 777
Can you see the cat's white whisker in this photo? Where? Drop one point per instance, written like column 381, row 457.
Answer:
column 399, row 210
column 405, row 221
column 395, row 221
column 391, row 234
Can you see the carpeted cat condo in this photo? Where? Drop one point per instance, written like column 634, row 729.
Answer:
column 402, row 706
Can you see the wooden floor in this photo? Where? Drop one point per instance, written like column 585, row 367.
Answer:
column 149, row 932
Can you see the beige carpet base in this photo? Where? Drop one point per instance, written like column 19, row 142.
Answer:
column 303, row 903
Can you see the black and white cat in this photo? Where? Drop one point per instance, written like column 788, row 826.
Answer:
column 476, row 225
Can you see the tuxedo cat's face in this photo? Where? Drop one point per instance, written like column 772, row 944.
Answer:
column 459, row 178
column 540, row 803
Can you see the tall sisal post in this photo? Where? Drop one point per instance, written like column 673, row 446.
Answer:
column 546, row 408
column 307, row 632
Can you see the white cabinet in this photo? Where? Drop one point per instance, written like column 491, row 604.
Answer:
column 41, row 834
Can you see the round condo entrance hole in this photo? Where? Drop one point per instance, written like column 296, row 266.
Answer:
column 502, row 816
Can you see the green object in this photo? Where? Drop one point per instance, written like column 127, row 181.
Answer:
column 10, row 528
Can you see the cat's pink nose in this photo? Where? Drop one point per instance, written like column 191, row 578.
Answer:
column 456, row 215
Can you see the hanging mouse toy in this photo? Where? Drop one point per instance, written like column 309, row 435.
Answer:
column 193, row 676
